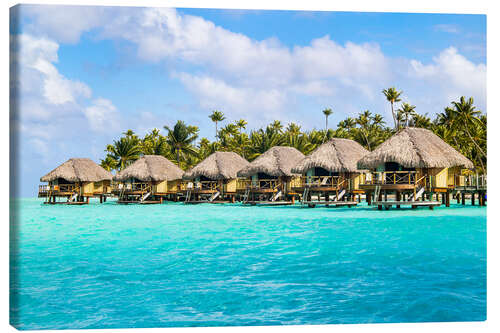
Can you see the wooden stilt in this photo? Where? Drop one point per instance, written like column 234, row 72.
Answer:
column 457, row 196
column 447, row 204
column 463, row 198
column 473, row 198
column 368, row 198
column 398, row 198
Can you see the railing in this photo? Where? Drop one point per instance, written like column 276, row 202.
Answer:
column 477, row 181
column 131, row 187
column 260, row 184
column 210, row 185
column 58, row 188
column 394, row 177
column 323, row 181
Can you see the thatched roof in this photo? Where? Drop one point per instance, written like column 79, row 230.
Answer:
column 277, row 161
column 219, row 165
column 336, row 155
column 151, row 168
column 415, row 148
column 78, row 170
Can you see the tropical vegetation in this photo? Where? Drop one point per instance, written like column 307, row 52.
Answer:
column 460, row 124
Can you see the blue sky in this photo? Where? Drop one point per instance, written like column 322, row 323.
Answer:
column 86, row 74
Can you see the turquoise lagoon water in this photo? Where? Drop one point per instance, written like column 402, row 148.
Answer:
column 112, row 266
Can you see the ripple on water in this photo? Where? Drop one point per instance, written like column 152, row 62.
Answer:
column 113, row 266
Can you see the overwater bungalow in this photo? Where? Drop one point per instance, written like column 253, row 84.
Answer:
column 269, row 179
column 150, row 179
column 414, row 165
column 214, row 179
column 330, row 175
column 75, row 181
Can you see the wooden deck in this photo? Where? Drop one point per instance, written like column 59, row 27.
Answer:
column 268, row 203
column 195, row 202
column 145, row 202
column 77, row 203
column 399, row 187
column 312, row 204
column 413, row 204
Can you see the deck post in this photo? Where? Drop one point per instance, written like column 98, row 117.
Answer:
column 443, row 199
column 457, row 196
column 369, row 198
column 88, row 199
column 104, row 198
column 447, row 199
column 473, row 199
column 385, row 195
column 482, row 201
column 100, row 199
column 463, row 198
column 398, row 198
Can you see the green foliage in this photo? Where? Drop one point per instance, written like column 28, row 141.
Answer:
column 461, row 125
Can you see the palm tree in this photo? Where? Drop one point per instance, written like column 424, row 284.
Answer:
column 327, row 113
column 241, row 124
column 109, row 163
column 180, row 139
column 216, row 116
column 392, row 96
column 293, row 128
column 277, row 126
column 407, row 111
column 468, row 117
column 154, row 143
column 124, row 151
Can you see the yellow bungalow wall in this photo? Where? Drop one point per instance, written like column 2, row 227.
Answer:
column 160, row 187
column 231, row 185
column 357, row 179
column 442, row 177
column 87, row 188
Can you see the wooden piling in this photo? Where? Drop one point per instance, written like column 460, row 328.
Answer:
column 473, row 198
column 398, row 198
column 447, row 203
column 463, row 198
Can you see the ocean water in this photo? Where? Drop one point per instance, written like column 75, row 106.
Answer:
column 112, row 266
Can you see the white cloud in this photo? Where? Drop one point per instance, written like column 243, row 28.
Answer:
column 240, row 74
column 36, row 58
column 65, row 24
column 215, row 94
column 49, row 111
column 102, row 115
column 454, row 74
column 449, row 28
